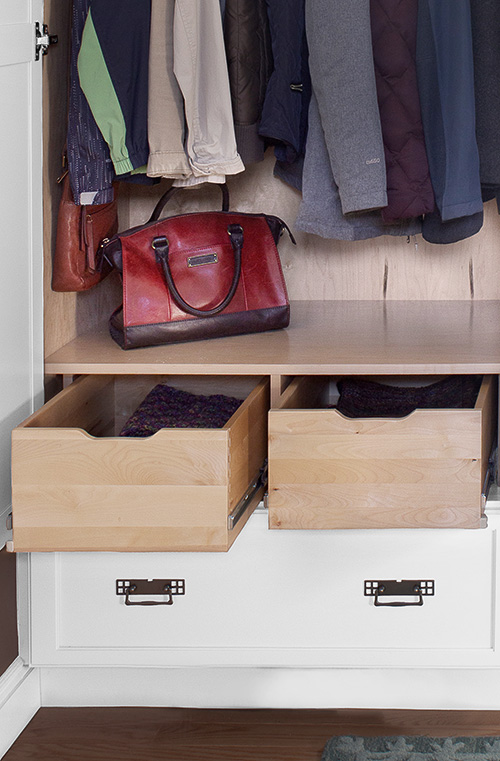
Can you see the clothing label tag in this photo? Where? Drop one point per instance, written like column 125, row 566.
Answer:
column 87, row 198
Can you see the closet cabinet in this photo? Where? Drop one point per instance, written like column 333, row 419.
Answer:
column 77, row 489
column 383, row 308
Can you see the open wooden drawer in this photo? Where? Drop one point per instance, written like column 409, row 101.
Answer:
column 328, row 471
column 77, row 485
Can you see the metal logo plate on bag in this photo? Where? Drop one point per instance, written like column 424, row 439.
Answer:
column 197, row 261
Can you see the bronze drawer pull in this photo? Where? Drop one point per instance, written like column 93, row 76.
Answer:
column 165, row 588
column 403, row 588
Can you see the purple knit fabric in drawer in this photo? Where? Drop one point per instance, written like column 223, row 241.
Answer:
column 168, row 407
column 364, row 398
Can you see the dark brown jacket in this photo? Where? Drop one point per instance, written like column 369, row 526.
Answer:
column 394, row 32
column 249, row 58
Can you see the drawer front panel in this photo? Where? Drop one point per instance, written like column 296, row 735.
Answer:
column 278, row 598
column 424, row 470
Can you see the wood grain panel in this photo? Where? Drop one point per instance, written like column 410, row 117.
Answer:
column 314, row 516
column 420, row 444
column 396, row 497
column 247, row 445
column 374, row 471
column 113, row 518
column 330, row 337
column 180, row 457
column 83, row 507
column 88, row 403
column 103, row 539
column 487, row 402
column 304, row 393
column 187, row 734
column 448, row 422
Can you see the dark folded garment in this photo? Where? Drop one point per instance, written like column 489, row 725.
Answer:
column 167, row 407
column 363, row 398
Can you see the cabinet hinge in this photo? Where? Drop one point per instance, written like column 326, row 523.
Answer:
column 43, row 40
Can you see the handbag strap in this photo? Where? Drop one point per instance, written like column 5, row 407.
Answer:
column 171, row 191
column 161, row 248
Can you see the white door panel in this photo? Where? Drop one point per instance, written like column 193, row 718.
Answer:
column 16, row 11
column 17, row 44
column 21, row 344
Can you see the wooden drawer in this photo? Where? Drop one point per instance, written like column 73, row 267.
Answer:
column 77, row 485
column 328, row 471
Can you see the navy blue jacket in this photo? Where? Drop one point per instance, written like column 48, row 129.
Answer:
column 446, row 84
column 91, row 172
column 284, row 114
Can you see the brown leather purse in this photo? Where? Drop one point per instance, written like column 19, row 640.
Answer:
column 198, row 275
column 80, row 230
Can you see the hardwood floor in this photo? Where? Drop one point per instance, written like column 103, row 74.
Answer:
column 183, row 734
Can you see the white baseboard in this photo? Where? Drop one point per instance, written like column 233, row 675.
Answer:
column 475, row 689
column 19, row 701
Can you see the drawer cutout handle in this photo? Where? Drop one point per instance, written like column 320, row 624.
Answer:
column 165, row 588
column 404, row 588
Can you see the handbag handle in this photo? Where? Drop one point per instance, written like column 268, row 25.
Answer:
column 171, row 191
column 161, row 248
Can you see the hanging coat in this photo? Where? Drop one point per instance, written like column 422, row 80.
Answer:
column 284, row 113
column 486, row 49
column 446, row 85
column 90, row 168
column 249, row 61
column 166, row 126
column 394, row 35
column 320, row 211
column 113, row 68
column 343, row 80
column 200, row 68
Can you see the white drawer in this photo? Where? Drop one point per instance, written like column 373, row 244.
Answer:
column 278, row 598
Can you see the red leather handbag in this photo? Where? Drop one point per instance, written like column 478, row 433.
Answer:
column 198, row 275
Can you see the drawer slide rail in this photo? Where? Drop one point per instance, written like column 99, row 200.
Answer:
column 259, row 482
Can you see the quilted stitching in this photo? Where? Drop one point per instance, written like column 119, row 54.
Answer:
column 409, row 189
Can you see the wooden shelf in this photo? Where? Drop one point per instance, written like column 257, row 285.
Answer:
column 324, row 337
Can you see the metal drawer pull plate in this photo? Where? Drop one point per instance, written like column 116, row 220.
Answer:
column 165, row 588
column 403, row 588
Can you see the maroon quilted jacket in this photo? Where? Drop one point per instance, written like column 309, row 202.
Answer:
column 409, row 189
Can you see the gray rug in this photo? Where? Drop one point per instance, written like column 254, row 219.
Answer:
column 352, row 748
